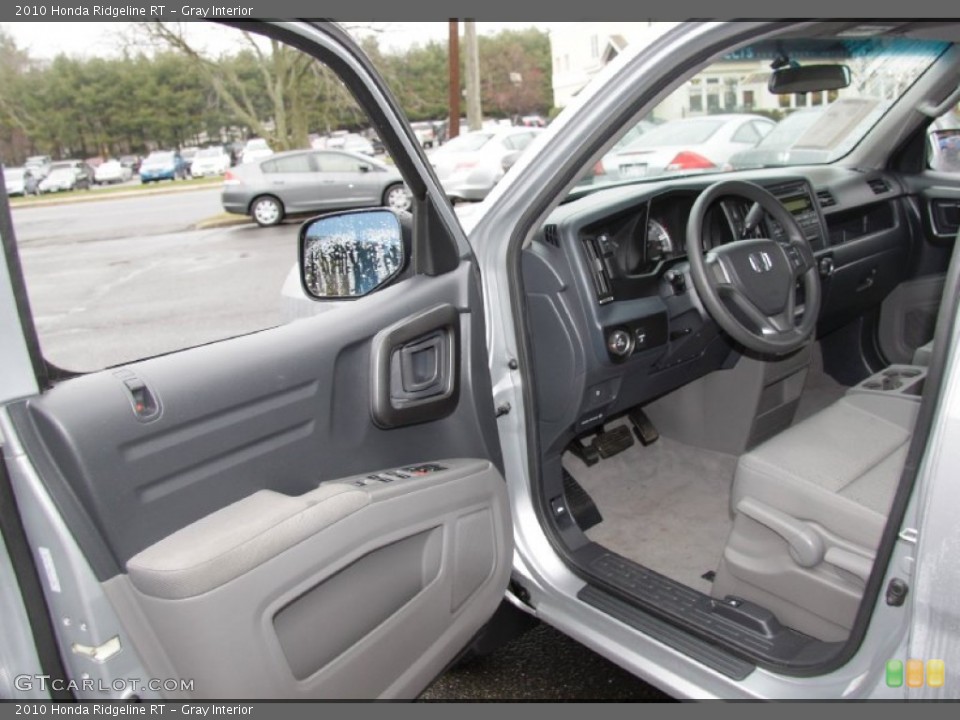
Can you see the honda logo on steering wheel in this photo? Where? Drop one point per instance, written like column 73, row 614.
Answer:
column 761, row 262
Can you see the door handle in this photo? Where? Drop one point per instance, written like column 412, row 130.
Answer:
column 415, row 368
column 867, row 282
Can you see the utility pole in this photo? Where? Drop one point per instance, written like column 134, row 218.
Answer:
column 453, row 55
column 474, row 112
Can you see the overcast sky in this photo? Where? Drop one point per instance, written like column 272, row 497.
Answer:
column 47, row 39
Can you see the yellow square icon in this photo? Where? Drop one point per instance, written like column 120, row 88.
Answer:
column 935, row 673
column 914, row 673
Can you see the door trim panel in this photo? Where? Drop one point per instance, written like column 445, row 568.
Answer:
column 450, row 529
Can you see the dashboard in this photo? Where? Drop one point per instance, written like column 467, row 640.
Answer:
column 614, row 317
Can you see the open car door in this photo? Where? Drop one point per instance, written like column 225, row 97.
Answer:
column 301, row 512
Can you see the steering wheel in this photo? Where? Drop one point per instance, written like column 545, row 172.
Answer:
column 749, row 286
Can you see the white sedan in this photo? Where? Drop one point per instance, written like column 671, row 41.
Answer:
column 695, row 144
column 210, row 161
column 111, row 171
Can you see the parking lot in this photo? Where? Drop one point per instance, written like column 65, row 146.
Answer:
column 118, row 279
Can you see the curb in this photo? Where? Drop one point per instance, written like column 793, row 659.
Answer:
column 98, row 197
column 221, row 221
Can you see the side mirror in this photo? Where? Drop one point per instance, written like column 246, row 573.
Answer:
column 808, row 78
column 365, row 168
column 350, row 254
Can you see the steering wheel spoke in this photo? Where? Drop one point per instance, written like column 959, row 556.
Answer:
column 781, row 323
column 800, row 258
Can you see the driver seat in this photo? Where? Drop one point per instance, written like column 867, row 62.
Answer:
column 809, row 507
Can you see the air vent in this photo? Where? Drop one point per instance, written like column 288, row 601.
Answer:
column 879, row 186
column 550, row 235
column 826, row 199
column 598, row 273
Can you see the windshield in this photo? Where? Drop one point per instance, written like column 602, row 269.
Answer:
column 467, row 143
column 723, row 118
column 210, row 153
column 61, row 172
column 257, row 144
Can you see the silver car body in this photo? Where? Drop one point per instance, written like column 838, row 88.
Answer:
column 309, row 181
column 470, row 165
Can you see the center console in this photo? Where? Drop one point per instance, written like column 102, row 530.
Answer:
column 897, row 380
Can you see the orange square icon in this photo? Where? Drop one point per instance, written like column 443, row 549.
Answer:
column 914, row 673
column 935, row 673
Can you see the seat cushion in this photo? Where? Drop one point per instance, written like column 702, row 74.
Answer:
column 839, row 468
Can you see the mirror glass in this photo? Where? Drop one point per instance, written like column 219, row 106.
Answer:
column 809, row 78
column 350, row 254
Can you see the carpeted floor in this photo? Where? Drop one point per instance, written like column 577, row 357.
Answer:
column 665, row 506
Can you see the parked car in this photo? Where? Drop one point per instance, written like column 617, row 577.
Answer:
column 302, row 181
column 188, row 154
column 470, row 165
column 67, row 175
column 20, row 181
column 696, row 144
column 163, row 165
column 132, row 162
column 212, row 160
column 255, row 149
column 39, row 165
column 607, row 169
column 351, row 142
column 426, row 133
column 112, row 171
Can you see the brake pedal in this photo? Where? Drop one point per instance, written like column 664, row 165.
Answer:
column 646, row 432
column 614, row 441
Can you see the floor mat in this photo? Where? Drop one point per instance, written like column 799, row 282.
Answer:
column 665, row 506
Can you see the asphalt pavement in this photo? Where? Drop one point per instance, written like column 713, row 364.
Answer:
column 121, row 279
column 114, row 218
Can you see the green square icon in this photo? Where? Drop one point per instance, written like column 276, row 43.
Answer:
column 894, row 673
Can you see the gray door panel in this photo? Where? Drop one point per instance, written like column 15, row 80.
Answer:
column 409, row 573
column 278, row 410
column 237, row 504
column 909, row 313
column 908, row 316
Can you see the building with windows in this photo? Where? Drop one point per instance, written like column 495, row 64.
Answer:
column 580, row 50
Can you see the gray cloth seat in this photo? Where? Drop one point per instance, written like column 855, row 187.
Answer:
column 922, row 355
column 809, row 508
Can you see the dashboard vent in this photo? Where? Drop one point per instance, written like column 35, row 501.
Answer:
column 826, row 198
column 550, row 235
column 879, row 186
column 598, row 273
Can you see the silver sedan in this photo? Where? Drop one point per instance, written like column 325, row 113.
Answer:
column 303, row 181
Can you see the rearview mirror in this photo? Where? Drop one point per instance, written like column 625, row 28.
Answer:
column 808, row 78
column 350, row 254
